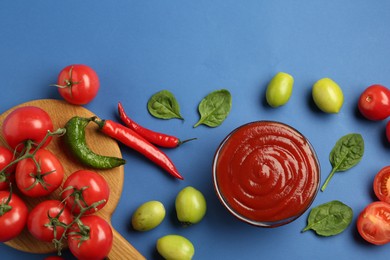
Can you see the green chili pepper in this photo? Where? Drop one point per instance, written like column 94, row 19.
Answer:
column 75, row 139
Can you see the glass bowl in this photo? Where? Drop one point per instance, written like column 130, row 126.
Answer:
column 266, row 173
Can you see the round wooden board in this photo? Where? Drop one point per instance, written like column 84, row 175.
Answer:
column 60, row 112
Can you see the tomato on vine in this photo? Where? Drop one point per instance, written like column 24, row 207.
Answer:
column 27, row 124
column 78, row 84
column 13, row 215
column 91, row 238
column 48, row 220
column 39, row 176
column 6, row 157
column 83, row 189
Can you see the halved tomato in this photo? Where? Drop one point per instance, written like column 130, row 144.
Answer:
column 373, row 223
column 382, row 184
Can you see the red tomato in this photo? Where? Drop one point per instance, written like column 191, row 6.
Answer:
column 13, row 216
column 98, row 241
column 374, row 102
column 87, row 187
column 6, row 157
column 34, row 183
column 374, row 223
column 78, row 84
column 41, row 226
column 382, row 184
column 26, row 123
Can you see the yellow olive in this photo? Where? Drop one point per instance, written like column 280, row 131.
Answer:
column 175, row 247
column 190, row 206
column 148, row 216
column 327, row 95
column 279, row 89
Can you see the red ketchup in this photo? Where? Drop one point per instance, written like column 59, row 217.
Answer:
column 266, row 173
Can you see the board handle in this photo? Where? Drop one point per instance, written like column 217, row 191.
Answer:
column 122, row 249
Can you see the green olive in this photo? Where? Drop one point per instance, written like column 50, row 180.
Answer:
column 327, row 95
column 279, row 89
column 190, row 206
column 175, row 247
column 148, row 216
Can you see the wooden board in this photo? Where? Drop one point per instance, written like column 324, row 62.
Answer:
column 60, row 112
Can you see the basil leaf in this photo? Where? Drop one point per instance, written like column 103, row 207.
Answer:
column 214, row 108
column 164, row 105
column 330, row 218
column 347, row 152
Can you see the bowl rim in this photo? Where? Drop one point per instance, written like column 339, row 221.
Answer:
column 266, row 224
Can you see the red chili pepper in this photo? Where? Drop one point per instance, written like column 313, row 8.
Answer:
column 133, row 140
column 160, row 139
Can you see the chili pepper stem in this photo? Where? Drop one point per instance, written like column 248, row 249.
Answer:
column 187, row 140
column 100, row 123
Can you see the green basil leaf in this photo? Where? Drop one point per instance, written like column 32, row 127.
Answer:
column 347, row 152
column 214, row 108
column 330, row 218
column 164, row 105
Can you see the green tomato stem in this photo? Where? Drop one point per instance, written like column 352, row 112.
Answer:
column 3, row 176
column 30, row 154
column 5, row 207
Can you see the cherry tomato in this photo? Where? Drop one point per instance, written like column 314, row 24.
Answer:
column 98, row 241
column 41, row 221
column 78, row 84
column 382, row 184
column 26, row 123
column 374, row 102
column 35, row 183
column 87, row 187
column 374, row 223
column 13, row 215
column 6, row 157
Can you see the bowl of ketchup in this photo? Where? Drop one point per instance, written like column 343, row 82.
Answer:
column 266, row 173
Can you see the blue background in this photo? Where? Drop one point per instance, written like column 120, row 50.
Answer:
column 192, row 48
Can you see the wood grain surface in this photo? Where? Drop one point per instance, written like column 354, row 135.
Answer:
column 60, row 112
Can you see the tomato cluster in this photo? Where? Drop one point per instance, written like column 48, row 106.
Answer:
column 374, row 221
column 28, row 166
column 374, row 104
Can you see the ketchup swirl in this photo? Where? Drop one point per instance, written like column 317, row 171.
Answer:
column 266, row 172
